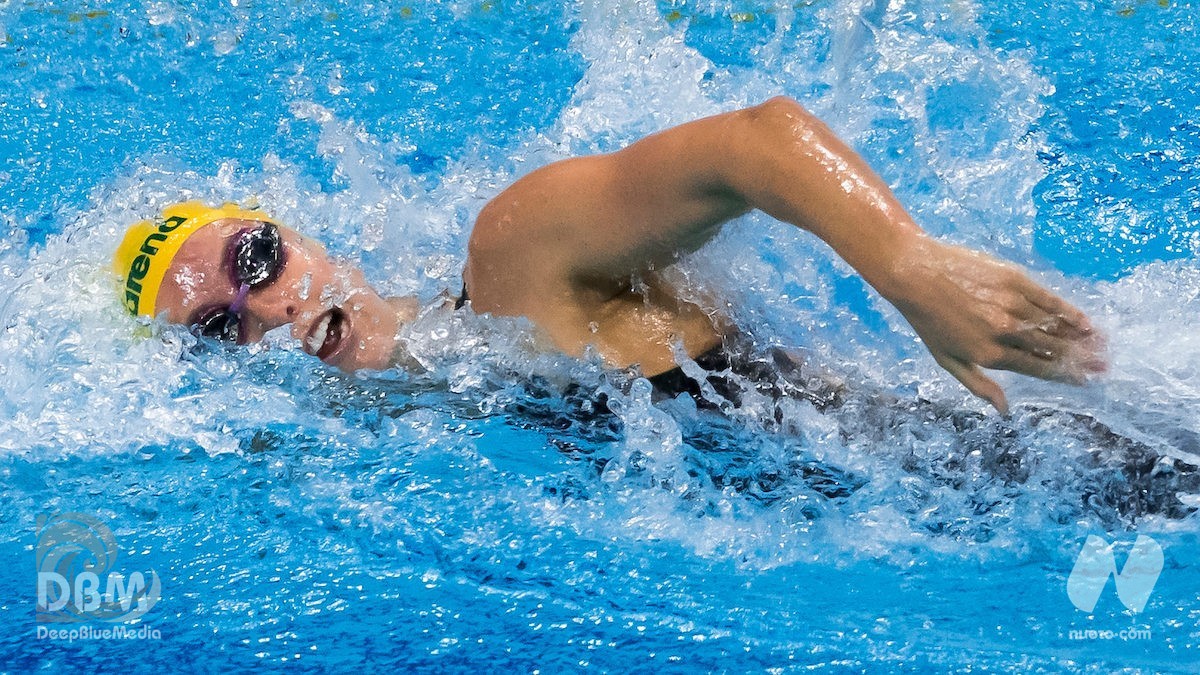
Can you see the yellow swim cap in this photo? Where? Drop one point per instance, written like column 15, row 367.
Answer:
column 142, row 259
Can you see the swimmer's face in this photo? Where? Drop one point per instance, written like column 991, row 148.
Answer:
column 335, row 315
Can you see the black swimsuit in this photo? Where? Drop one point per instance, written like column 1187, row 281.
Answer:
column 735, row 367
column 720, row 364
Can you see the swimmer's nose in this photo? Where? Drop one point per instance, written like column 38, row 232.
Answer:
column 266, row 311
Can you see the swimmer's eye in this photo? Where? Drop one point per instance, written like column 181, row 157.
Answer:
column 257, row 256
column 221, row 323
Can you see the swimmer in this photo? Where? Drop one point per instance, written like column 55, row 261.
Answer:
column 577, row 247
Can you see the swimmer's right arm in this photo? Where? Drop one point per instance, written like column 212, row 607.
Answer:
column 971, row 310
column 610, row 216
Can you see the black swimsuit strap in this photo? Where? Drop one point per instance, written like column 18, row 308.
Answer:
column 462, row 299
column 671, row 383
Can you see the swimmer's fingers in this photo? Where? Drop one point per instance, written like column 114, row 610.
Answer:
column 1072, row 352
column 1060, row 317
column 974, row 380
column 1059, row 367
column 1029, row 338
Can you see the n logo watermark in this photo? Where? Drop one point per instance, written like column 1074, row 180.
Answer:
column 76, row 580
column 1096, row 563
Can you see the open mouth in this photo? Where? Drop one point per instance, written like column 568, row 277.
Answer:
column 327, row 335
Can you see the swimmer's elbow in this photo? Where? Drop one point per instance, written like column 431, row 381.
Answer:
column 766, row 150
column 777, row 114
column 767, row 134
column 780, row 105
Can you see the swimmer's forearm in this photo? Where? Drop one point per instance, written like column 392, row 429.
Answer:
column 787, row 163
column 972, row 311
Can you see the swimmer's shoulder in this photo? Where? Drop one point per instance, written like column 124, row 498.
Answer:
column 543, row 209
column 523, row 250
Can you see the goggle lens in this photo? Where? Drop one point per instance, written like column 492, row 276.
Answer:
column 224, row 325
column 258, row 256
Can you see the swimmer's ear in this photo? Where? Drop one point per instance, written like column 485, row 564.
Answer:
column 975, row 381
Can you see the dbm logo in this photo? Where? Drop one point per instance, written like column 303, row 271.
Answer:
column 74, row 553
column 1096, row 564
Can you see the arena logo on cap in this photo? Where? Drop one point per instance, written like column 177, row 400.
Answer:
column 141, row 264
column 74, row 553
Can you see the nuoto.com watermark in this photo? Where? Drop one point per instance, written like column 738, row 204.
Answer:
column 77, row 582
column 1134, row 583
column 1126, row 635
column 1096, row 564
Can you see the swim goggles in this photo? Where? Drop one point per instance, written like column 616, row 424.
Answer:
column 256, row 259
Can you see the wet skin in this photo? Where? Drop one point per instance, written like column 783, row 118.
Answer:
column 567, row 245
column 576, row 247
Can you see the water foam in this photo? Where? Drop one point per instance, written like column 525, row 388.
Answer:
column 77, row 383
column 475, row 508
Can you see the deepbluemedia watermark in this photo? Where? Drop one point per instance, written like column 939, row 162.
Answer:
column 78, row 582
column 115, row 633
column 1096, row 564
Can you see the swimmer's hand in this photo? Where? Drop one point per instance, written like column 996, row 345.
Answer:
column 974, row 311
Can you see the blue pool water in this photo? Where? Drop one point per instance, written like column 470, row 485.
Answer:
column 472, row 516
